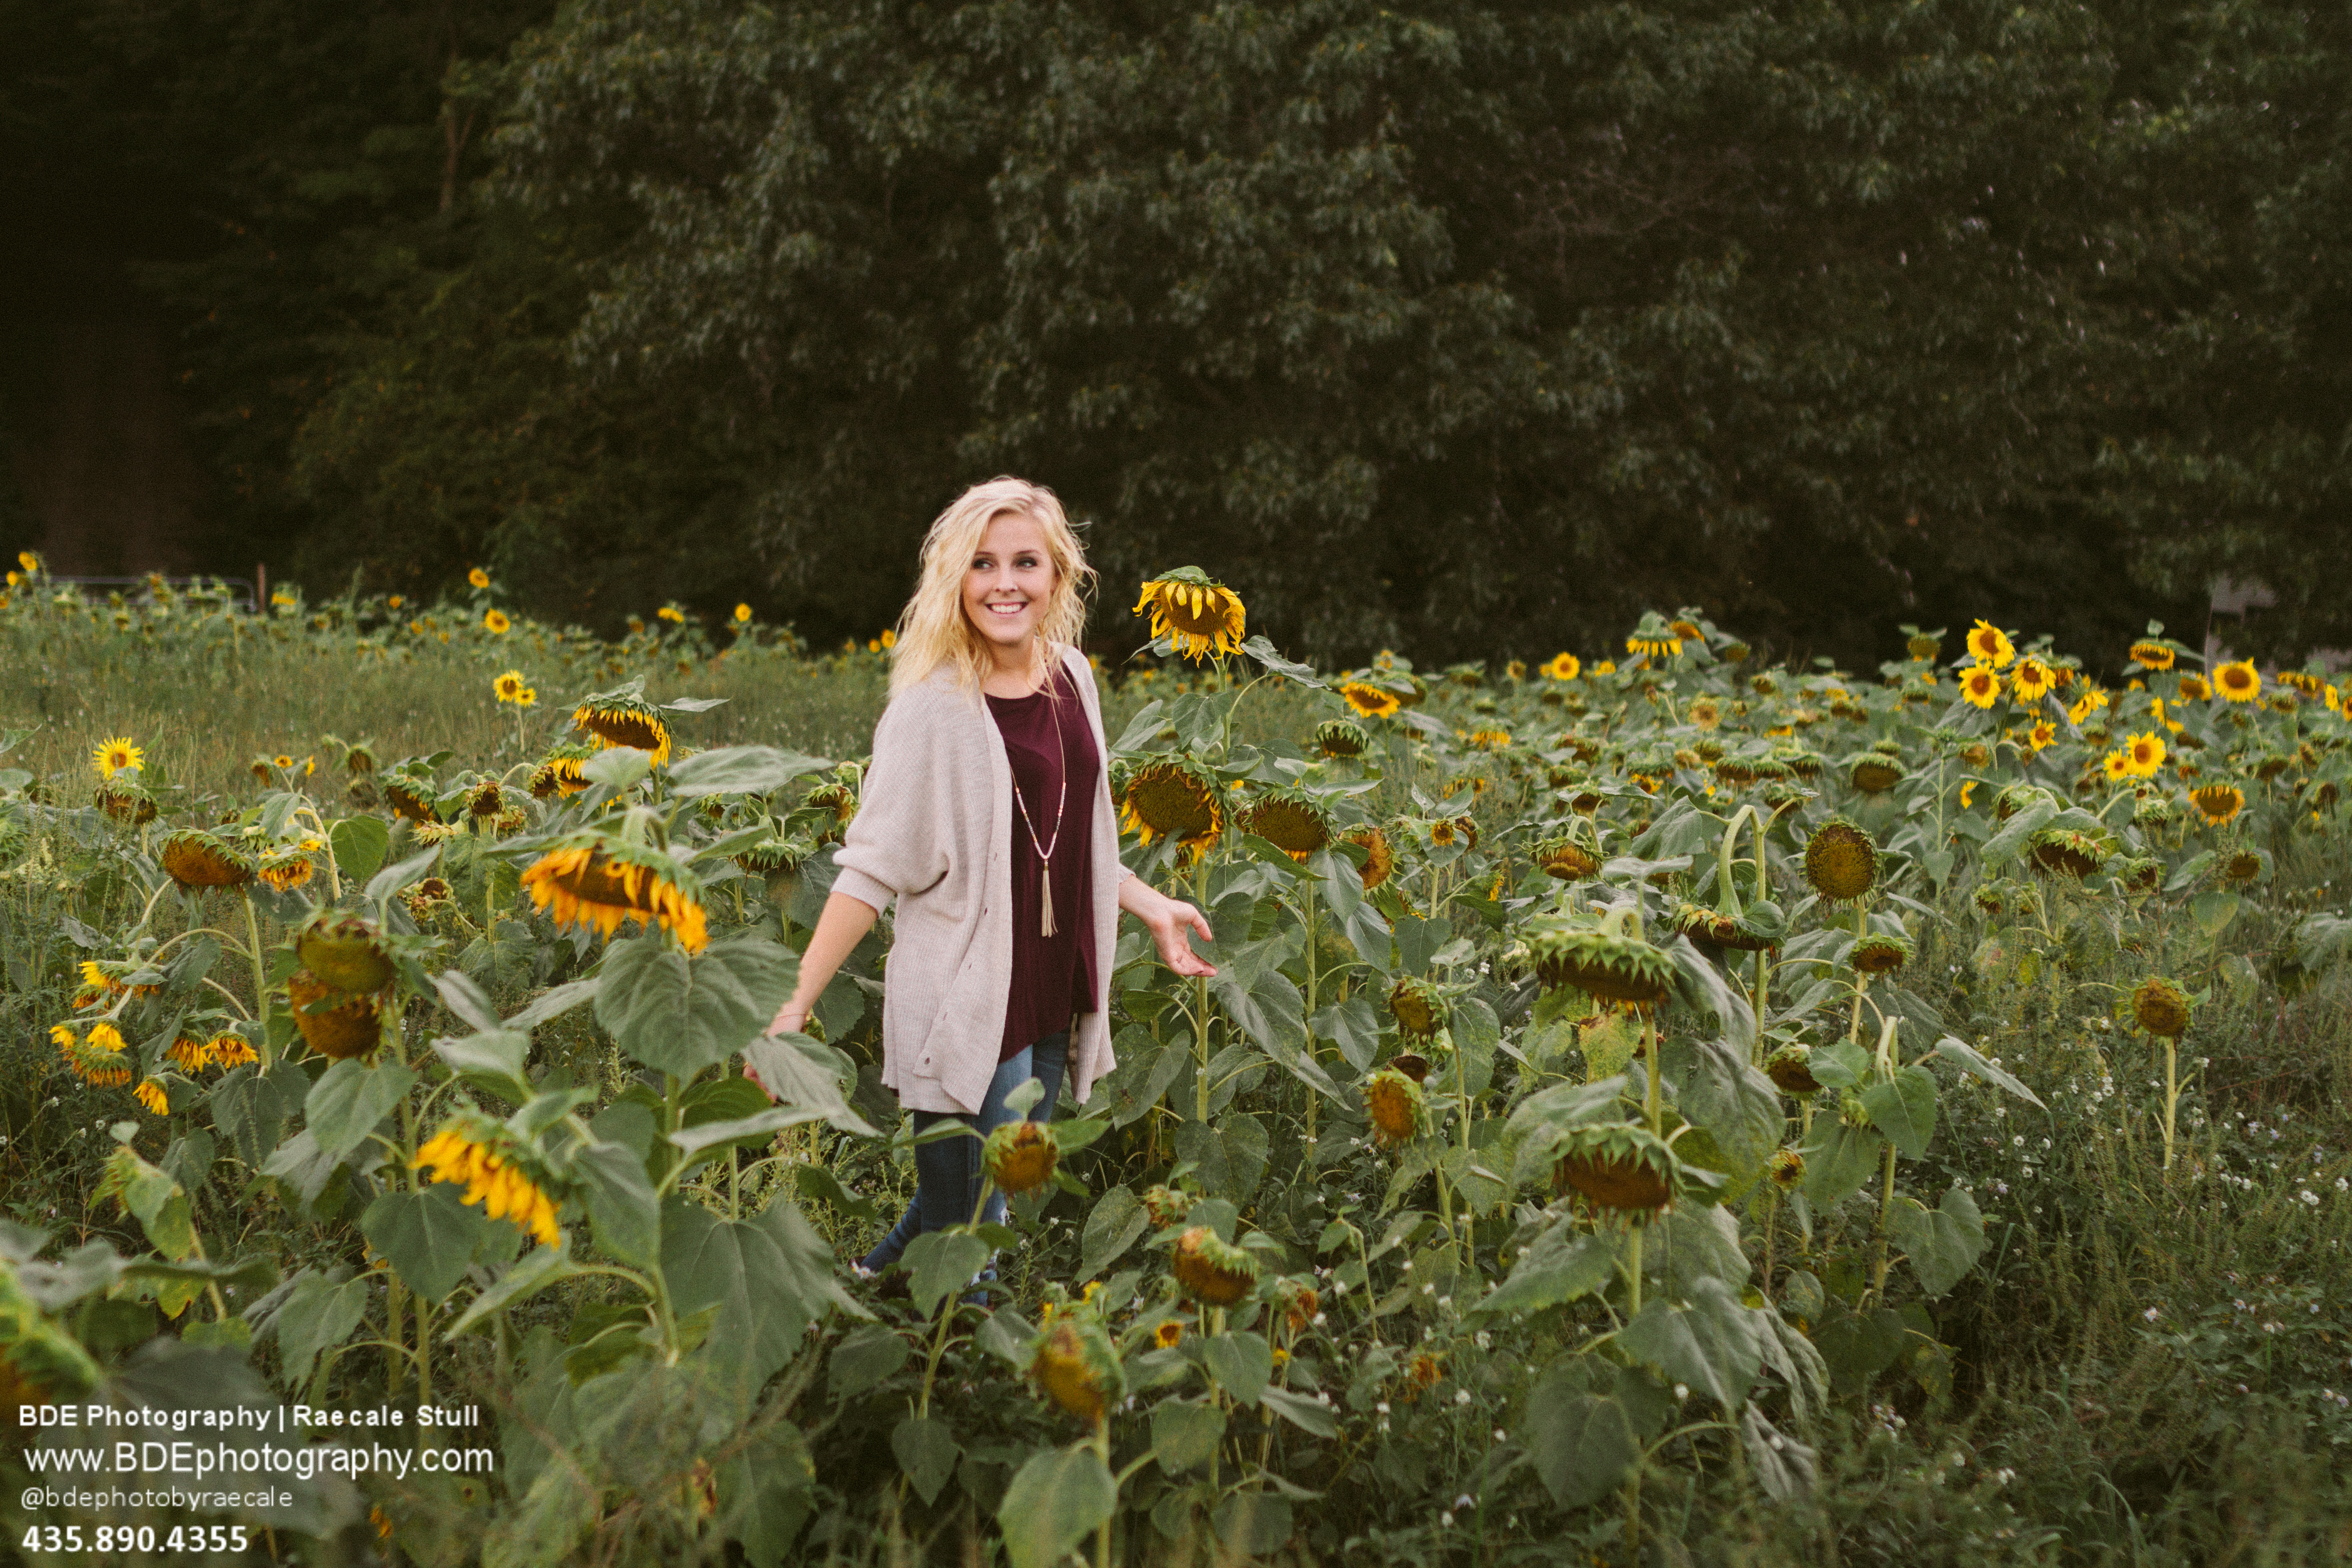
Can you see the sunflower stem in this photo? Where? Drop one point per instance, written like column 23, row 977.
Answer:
column 260, row 980
column 1886, row 1206
column 2171, row 1098
column 1634, row 1272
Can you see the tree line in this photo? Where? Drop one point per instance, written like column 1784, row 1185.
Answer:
column 1463, row 328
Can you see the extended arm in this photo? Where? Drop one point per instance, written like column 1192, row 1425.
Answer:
column 841, row 927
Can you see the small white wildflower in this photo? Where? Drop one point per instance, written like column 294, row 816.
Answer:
column 1461, row 1396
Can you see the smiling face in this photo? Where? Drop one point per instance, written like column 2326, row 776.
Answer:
column 1008, row 585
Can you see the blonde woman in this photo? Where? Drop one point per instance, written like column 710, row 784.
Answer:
column 987, row 816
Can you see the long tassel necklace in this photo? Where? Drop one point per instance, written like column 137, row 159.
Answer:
column 1046, row 850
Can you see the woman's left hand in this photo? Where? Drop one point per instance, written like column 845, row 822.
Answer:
column 1171, row 923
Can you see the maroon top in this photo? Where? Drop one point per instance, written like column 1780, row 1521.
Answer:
column 1052, row 976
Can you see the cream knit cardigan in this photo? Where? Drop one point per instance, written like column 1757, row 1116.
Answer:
column 927, row 834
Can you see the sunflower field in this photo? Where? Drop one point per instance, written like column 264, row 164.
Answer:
column 1652, row 1105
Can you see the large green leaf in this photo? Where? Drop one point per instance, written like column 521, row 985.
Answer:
column 429, row 1236
column 764, row 1494
column 157, row 1201
column 740, row 769
column 941, row 1261
column 1056, row 1501
column 1837, row 1159
column 1184, row 1434
column 622, row 1204
column 807, row 1075
column 679, row 1015
column 493, row 1059
column 1306, row 1415
column 252, row 1108
column 1716, row 1088
column 1241, row 1362
column 1709, row 1344
column 1582, row 1445
column 349, row 1100
column 1253, row 1523
column 534, row 1271
column 768, row 1277
column 1231, row 1155
column 316, row 1316
column 359, row 845
column 1904, row 1109
column 1972, row 1061
column 927, row 1451
column 1558, row 1267
column 1943, row 1242
column 1118, row 1221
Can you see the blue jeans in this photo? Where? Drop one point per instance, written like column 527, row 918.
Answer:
column 947, row 1173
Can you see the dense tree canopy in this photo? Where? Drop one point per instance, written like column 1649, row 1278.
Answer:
column 1463, row 328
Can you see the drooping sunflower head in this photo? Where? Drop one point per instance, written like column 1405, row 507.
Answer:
column 1419, row 1009
column 595, row 881
column 2191, row 689
column 1924, row 647
column 622, row 717
column 2161, row 1007
column 1840, row 861
column 1380, row 859
column 194, row 859
column 98, row 1058
column 2217, row 803
column 2244, row 865
column 285, row 868
column 334, row 1023
column 1991, row 645
column 1879, row 953
column 345, row 950
column 1874, row 773
column 1201, row 616
column 1654, row 639
column 116, row 756
column 1791, row 1068
column 1341, row 738
column 1621, row 1168
column 360, row 758
column 1165, row 1205
column 2151, row 654
column 1786, row 1169
column 2238, row 681
column 426, row 899
column 409, row 790
column 776, row 853
column 561, row 775
column 497, row 1172
column 125, row 801
column 1571, row 854
column 1291, row 820
column 1804, row 763
column 1608, row 966
column 1393, row 1102
column 2067, row 851
column 1175, row 797
column 1074, row 1361
column 1021, row 1156
column 1212, row 1270
column 1369, row 699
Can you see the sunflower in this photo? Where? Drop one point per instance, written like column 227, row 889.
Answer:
column 2243, row 866
column 2161, row 1007
column 194, row 859
column 1076, row 1363
column 1605, row 966
column 623, row 716
column 426, row 899
column 478, row 578
column 346, row 950
column 2219, row 804
column 560, row 774
column 1393, row 1102
column 97, row 1057
column 286, row 869
column 1571, row 855
column 1175, row 797
column 496, row 623
column 1021, row 1156
column 151, row 1095
column 510, row 687
column 2146, row 754
column 1981, row 686
column 1339, row 738
column 476, row 1155
column 1924, row 647
column 1991, row 645
column 189, row 1053
column 1791, row 1068
column 595, row 882
column 1653, row 647
column 1563, row 667
column 333, row 1022
column 2151, row 654
column 1212, row 1270
column 1879, row 953
column 1199, row 614
column 742, row 614
column 2116, row 766
column 231, row 1051
column 1379, row 859
column 1420, row 1012
column 2238, row 681
column 1294, row 822
column 1873, row 773
column 123, row 801
column 1169, row 1335
column 2191, row 689
column 1489, row 740
column 2042, row 736
column 2064, row 849
column 1840, row 861
column 1370, row 700
column 113, row 756
column 2033, row 680
column 1623, row 1168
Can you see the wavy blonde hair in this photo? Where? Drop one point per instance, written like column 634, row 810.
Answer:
column 933, row 630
